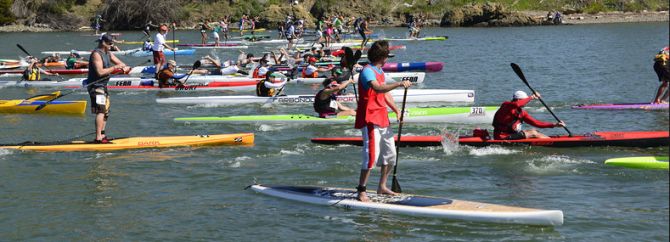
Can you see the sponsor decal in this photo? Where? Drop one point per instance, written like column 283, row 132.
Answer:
column 471, row 94
column 238, row 139
column 122, row 83
column 148, row 143
column 299, row 99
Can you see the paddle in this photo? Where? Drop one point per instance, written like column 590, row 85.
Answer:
column 196, row 65
column 174, row 29
column 41, row 106
column 45, row 66
column 395, row 185
column 519, row 73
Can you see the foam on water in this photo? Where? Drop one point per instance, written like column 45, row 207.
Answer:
column 299, row 150
column 4, row 152
column 492, row 150
column 554, row 164
column 268, row 127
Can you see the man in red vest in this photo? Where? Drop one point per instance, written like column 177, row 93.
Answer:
column 372, row 119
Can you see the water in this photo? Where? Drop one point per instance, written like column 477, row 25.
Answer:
column 198, row 194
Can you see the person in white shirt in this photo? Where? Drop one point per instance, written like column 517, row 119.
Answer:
column 159, row 44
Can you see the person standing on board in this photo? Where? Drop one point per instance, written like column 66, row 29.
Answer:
column 662, row 69
column 102, row 63
column 159, row 45
column 97, row 20
column 325, row 101
column 364, row 31
column 509, row 118
column 204, row 26
column 242, row 21
column 224, row 28
column 147, row 29
column 372, row 119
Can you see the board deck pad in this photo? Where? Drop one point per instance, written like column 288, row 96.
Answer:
column 334, row 193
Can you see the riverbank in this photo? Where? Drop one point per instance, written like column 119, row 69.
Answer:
column 578, row 18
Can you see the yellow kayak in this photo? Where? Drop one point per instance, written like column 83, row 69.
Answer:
column 248, row 30
column 30, row 104
column 142, row 42
column 138, row 143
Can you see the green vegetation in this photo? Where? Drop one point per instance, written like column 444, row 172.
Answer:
column 6, row 16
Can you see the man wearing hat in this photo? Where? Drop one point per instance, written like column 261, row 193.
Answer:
column 509, row 118
column 73, row 62
column 168, row 73
column 311, row 71
column 102, row 63
column 159, row 45
column 268, row 86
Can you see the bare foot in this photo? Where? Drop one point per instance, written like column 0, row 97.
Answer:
column 363, row 197
column 385, row 191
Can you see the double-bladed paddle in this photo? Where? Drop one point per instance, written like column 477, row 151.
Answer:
column 519, row 73
column 395, row 185
column 196, row 65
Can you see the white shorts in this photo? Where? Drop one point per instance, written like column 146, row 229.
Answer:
column 216, row 35
column 377, row 144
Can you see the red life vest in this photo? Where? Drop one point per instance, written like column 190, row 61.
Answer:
column 371, row 104
column 255, row 73
column 314, row 74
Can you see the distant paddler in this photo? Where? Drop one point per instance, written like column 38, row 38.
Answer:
column 74, row 61
column 225, row 68
column 311, row 71
column 159, row 45
column 662, row 69
column 204, row 26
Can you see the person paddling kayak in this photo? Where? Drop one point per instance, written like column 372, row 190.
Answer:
column 325, row 101
column 508, row 119
column 102, row 64
column 268, row 86
column 168, row 73
column 372, row 119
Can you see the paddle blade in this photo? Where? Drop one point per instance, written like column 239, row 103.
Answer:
column 395, row 185
column 357, row 57
column 519, row 73
column 41, row 106
column 197, row 64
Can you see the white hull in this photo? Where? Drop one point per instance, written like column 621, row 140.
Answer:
column 413, row 96
column 450, row 209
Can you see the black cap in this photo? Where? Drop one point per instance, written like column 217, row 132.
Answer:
column 105, row 37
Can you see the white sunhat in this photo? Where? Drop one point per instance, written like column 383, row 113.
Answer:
column 520, row 95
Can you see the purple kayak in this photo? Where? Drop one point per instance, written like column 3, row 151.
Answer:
column 619, row 106
column 413, row 66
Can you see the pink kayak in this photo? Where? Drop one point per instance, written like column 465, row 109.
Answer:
column 207, row 45
column 619, row 106
column 413, row 66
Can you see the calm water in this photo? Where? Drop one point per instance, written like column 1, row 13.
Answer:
column 197, row 194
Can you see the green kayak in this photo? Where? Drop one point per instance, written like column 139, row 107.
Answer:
column 475, row 115
column 641, row 162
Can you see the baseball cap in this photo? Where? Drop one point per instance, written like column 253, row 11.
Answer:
column 336, row 70
column 312, row 59
column 164, row 27
column 520, row 95
column 106, row 38
column 172, row 62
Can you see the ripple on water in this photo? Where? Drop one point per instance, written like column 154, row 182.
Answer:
column 555, row 164
column 492, row 150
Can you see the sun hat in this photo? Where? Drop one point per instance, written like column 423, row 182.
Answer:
column 520, row 95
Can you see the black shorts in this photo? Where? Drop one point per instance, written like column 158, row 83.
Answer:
column 517, row 135
column 99, row 100
column 661, row 71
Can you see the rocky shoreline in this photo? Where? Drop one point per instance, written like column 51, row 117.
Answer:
column 600, row 18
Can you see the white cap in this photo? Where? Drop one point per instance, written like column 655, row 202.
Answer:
column 520, row 95
column 262, row 71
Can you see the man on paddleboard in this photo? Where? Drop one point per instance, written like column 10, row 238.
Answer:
column 372, row 119
column 159, row 44
column 102, row 63
column 509, row 118
column 662, row 69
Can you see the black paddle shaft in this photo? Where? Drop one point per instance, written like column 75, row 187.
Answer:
column 45, row 66
column 519, row 73
column 395, row 186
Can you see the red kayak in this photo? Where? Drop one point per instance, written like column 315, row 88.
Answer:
column 611, row 138
column 58, row 71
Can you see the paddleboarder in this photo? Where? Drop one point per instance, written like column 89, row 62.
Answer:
column 159, row 45
column 102, row 64
column 509, row 118
column 372, row 119
column 325, row 101
column 662, row 69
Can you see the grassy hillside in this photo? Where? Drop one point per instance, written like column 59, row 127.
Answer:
column 129, row 14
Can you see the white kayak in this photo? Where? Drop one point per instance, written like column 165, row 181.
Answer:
column 221, row 47
column 415, row 205
column 413, row 96
column 414, row 77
